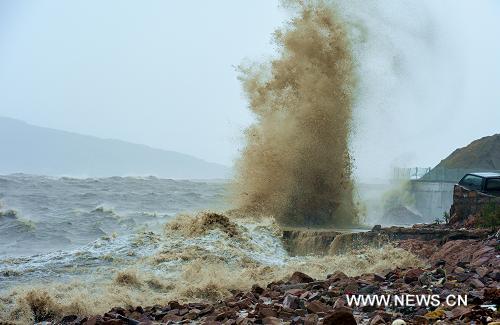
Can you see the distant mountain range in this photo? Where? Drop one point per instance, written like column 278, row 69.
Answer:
column 30, row 149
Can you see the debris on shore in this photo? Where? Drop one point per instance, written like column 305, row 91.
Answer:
column 456, row 267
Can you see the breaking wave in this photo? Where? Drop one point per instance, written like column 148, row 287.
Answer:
column 180, row 263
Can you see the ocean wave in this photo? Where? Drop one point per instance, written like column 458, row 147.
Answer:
column 180, row 263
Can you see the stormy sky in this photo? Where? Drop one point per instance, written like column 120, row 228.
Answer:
column 162, row 73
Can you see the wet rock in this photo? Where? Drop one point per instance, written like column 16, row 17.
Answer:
column 292, row 302
column 317, row 307
column 299, row 277
column 174, row 305
column 257, row 289
column 337, row 276
column 303, row 300
column 267, row 312
column 412, row 275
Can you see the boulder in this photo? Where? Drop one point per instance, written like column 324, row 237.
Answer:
column 412, row 275
column 299, row 277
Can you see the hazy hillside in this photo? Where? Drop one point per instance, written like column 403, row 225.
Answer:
column 35, row 150
column 480, row 155
column 483, row 153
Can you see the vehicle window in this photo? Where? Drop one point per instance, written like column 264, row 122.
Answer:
column 472, row 182
column 493, row 185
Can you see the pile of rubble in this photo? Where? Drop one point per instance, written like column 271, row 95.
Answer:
column 458, row 268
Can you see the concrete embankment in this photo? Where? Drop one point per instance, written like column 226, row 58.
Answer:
column 321, row 242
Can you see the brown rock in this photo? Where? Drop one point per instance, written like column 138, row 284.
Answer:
column 173, row 312
column 339, row 303
column 412, row 275
column 340, row 317
column 337, row 276
column 244, row 303
column 267, row 312
column 299, row 277
column 286, row 314
column 458, row 312
column 317, row 306
column 257, row 289
column 174, row 305
column 482, row 271
column 492, row 294
column 351, row 287
column 480, row 261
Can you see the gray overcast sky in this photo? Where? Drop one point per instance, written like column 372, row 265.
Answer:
column 162, row 73
column 159, row 73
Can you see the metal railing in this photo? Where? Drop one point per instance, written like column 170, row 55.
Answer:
column 437, row 174
column 401, row 173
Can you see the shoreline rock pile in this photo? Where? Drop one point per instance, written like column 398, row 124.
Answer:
column 459, row 267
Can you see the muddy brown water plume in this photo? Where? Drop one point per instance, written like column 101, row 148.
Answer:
column 296, row 164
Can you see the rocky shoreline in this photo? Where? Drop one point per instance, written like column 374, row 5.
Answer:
column 457, row 265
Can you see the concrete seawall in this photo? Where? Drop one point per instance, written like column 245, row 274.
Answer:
column 432, row 199
column 330, row 242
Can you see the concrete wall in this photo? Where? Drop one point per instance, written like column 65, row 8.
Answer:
column 432, row 199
